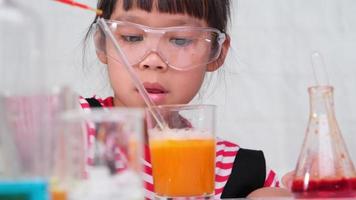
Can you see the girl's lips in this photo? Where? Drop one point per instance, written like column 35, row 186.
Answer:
column 154, row 88
column 156, row 92
column 158, row 98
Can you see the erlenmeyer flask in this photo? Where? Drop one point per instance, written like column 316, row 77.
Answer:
column 21, row 84
column 29, row 107
column 324, row 167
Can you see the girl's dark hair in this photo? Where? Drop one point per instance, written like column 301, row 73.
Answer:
column 215, row 12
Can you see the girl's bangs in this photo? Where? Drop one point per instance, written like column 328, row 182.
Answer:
column 215, row 12
column 195, row 8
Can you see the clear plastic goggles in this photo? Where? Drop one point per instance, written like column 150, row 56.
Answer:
column 181, row 48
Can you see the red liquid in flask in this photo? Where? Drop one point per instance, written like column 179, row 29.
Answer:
column 324, row 168
column 325, row 188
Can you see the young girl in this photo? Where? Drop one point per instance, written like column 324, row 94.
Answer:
column 171, row 45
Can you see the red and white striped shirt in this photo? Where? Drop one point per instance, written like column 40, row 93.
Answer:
column 225, row 157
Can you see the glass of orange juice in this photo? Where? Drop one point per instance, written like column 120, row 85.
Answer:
column 183, row 152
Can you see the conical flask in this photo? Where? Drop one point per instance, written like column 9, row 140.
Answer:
column 21, row 89
column 324, row 168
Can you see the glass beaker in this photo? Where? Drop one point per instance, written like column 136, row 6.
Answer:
column 324, row 168
column 183, row 153
column 113, row 154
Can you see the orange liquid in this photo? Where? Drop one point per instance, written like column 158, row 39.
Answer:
column 183, row 167
column 58, row 195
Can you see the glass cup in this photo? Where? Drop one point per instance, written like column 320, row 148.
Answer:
column 183, row 153
column 112, row 156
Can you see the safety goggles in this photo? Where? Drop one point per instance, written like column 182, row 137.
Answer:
column 181, row 48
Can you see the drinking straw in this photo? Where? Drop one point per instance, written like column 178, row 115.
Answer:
column 80, row 5
column 157, row 116
column 319, row 70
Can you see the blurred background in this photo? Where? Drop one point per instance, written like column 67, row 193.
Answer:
column 261, row 92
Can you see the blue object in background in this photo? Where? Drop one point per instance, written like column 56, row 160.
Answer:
column 24, row 190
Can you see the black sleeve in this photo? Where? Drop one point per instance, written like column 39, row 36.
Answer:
column 248, row 174
column 93, row 103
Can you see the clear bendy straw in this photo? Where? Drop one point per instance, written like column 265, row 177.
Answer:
column 150, row 104
column 158, row 117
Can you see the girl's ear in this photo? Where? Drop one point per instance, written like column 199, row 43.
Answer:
column 102, row 57
column 99, row 42
column 221, row 59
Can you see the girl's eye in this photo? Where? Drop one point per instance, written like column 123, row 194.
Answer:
column 132, row 38
column 180, row 41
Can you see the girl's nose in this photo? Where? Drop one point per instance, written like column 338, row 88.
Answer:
column 153, row 61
